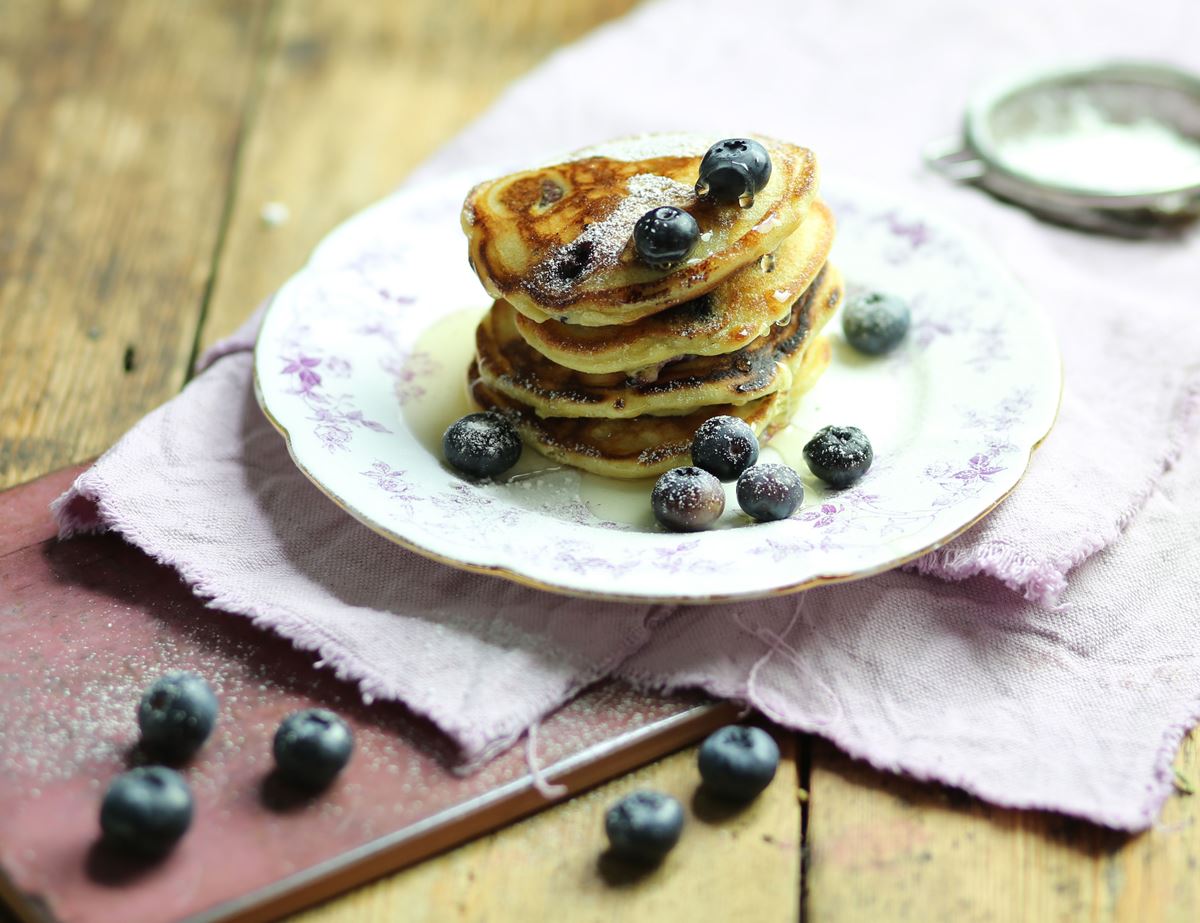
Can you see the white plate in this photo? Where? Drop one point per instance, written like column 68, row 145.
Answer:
column 361, row 364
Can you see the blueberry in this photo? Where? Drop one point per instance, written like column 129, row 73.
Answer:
column 737, row 762
column 875, row 323
column 312, row 746
column 687, row 499
column 482, row 444
column 724, row 446
column 769, row 492
column 176, row 715
column 146, row 810
column 733, row 170
column 664, row 236
column 839, row 455
column 644, row 826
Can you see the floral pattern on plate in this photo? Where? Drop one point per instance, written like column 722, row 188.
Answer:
column 344, row 369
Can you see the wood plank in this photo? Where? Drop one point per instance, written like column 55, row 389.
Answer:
column 118, row 125
column 886, row 848
column 356, row 96
column 729, row 866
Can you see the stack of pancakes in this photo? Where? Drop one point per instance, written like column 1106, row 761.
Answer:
column 610, row 365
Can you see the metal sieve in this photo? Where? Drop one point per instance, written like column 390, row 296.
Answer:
column 1113, row 147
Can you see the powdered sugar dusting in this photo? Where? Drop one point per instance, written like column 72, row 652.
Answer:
column 647, row 147
column 601, row 244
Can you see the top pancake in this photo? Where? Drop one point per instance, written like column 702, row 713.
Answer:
column 740, row 309
column 555, row 241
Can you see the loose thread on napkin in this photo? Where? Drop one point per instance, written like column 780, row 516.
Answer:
column 548, row 789
column 778, row 644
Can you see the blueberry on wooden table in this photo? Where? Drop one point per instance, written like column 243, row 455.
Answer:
column 644, row 826
column 724, row 446
column 176, row 715
column 664, row 236
column 687, row 499
column 146, row 810
column 738, row 761
column 839, row 455
column 734, row 170
column 482, row 444
column 769, row 492
column 312, row 746
column 876, row 322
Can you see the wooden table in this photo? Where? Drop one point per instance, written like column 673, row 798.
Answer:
column 139, row 144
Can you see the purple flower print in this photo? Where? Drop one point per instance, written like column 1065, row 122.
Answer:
column 410, row 369
column 335, row 418
column 781, row 551
column 337, row 367
column 917, row 233
column 356, row 416
column 391, row 481
column 388, row 295
column 302, row 367
column 979, row 468
column 333, row 436
column 926, row 329
column 826, row 515
column 583, row 565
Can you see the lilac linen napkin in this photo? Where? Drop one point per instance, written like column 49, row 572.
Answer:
column 1076, row 708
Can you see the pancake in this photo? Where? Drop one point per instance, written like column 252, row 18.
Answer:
column 737, row 311
column 555, row 241
column 509, row 366
column 645, row 446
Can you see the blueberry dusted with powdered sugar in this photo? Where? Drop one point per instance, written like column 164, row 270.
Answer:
column 664, row 236
column 839, row 455
column 724, row 446
column 687, row 499
column 482, row 444
column 875, row 323
column 769, row 492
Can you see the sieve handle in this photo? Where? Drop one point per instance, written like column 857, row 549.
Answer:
column 954, row 160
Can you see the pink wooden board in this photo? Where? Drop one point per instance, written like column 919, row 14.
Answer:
column 85, row 625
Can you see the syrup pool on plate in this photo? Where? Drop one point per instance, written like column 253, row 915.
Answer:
column 535, row 481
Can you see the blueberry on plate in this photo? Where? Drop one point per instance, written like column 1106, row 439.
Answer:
column 724, row 446
column 312, row 746
column 644, row 826
column 146, row 810
column 737, row 762
column 733, row 170
column 769, row 492
column 482, row 444
column 839, row 455
column 876, row 322
column 176, row 715
column 687, row 499
column 664, row 236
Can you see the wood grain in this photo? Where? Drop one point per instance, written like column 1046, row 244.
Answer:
column 118, row 126
column 356, row 95
column 886, row 848
column 727, row 866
